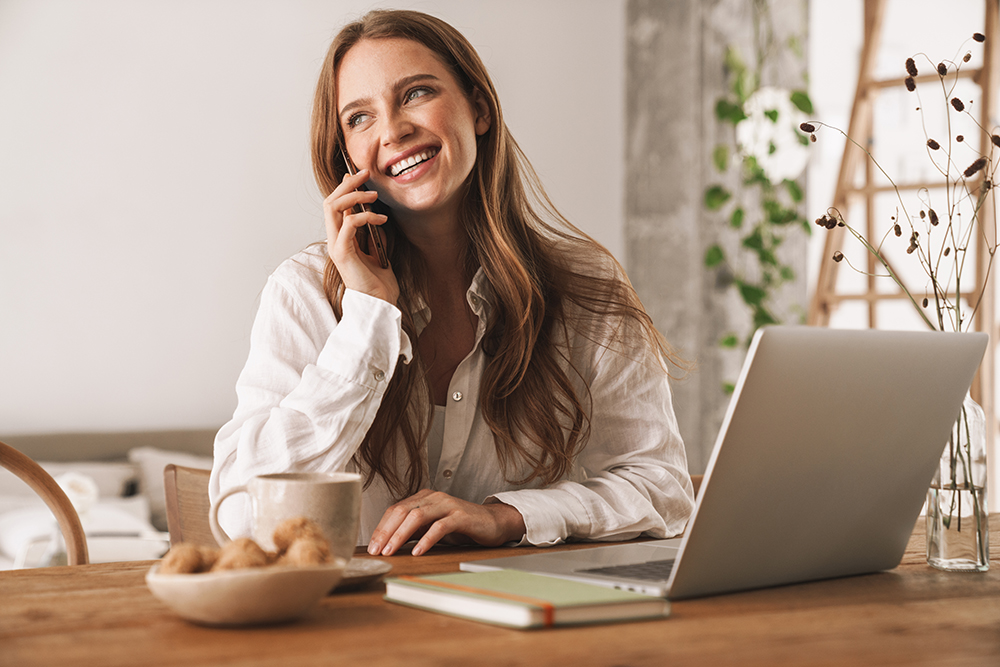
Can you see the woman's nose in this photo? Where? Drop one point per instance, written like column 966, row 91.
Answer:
column 395, row 128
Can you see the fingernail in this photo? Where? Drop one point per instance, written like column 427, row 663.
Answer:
column 373, row 549
column 417, row 550
column 387, row 551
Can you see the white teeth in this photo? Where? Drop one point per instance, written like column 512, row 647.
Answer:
column 413, row 160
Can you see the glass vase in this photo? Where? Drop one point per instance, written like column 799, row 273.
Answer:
column 957, row 512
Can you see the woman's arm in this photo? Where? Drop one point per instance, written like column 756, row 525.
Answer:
column 311, row 385
column 631, row 477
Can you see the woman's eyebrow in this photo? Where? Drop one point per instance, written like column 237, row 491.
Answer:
column 396, row 87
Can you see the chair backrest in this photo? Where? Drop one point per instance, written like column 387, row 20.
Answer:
column 696, row 482
column 186, row 492
column 42, row 483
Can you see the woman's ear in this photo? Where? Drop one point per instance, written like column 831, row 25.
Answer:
column 481, row 106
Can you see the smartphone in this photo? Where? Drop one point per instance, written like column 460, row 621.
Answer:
column 376, row 239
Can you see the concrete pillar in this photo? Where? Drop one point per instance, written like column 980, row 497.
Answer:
column 674, row 76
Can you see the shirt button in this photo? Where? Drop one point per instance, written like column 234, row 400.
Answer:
column 457, row 396
column 446, row 474
column 379, row 376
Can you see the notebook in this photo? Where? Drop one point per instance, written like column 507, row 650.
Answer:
column 819, row 470
column 521, row 599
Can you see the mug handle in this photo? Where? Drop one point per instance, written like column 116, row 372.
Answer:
column 213, row 515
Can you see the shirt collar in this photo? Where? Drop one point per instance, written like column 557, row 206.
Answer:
column 478, row 296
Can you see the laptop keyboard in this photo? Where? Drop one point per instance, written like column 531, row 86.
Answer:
column 653, row 570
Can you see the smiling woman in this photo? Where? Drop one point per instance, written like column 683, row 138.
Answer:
column 499, row 381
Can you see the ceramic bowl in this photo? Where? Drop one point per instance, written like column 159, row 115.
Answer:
column 249, row 596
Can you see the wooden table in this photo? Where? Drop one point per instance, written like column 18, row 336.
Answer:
column 104, row 615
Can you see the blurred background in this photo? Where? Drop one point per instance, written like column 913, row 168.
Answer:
column 154, row 169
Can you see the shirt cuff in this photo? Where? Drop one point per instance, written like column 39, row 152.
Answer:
column 367, row 342
column 550, row 515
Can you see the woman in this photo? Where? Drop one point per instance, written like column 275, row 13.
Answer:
column 499, row 380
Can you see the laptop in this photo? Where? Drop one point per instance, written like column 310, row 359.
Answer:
column 820, row 469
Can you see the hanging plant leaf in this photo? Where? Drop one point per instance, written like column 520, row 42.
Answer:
column 794, row 191
column 761, row 317
column 736, row 219
column 715, row 197
column 730, row 341
column 720, row 157
column 773, row 115
column 754, row 240
column 714, row 256
column 800, row 99
column 752, row 294
column 728, row 112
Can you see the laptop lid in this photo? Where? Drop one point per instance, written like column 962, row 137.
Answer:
column 822, row 462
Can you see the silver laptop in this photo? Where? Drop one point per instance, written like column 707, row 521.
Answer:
column 820, row 468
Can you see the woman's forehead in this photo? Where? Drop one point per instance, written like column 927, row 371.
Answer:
column 372, row 64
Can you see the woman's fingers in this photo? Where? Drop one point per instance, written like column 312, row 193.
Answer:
column 384, row 538
column 359, row 270
column 436, row 516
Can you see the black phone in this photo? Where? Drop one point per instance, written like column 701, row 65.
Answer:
column 376, row 239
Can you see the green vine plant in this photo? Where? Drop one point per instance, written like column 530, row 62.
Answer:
column 764, row 206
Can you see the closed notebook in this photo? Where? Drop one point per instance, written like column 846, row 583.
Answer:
column 520, row 599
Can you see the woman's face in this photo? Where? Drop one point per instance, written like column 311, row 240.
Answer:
column 406, row 119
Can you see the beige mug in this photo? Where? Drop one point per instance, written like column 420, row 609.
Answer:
column 332, row 500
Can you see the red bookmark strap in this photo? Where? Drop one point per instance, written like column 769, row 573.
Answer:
column 548, row 610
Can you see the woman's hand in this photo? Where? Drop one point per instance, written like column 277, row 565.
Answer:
column 360, row 272
column 444, row 518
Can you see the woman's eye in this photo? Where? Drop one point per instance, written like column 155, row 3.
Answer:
column 415, row 93
column 357, row 119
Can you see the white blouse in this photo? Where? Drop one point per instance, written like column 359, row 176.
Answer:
column 312, row 385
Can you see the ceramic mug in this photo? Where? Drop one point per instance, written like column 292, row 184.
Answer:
column 332, row 500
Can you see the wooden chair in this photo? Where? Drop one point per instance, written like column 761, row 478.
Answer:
column 186, row 492
column 42, row 483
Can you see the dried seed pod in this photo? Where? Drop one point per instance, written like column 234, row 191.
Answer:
column 967, row 57
column 958, row 104
column 925, row 302
column 942, row 69
column 911, row 67
column 933, row 216
column 979, row 37
column 838, row 256
column 960, row 138
column 975, row 167
column 995, row 139
column 911, row 85
column 933, row 145
column 807, row 127
column 898, row 230
column 947, row 251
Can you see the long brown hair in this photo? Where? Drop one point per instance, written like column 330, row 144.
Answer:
column 527, row 399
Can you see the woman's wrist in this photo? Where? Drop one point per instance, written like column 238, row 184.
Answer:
column 510, row 522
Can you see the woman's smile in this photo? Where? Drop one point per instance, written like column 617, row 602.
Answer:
column 406, row 165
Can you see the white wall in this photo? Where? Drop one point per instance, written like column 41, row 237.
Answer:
column 154, row 169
